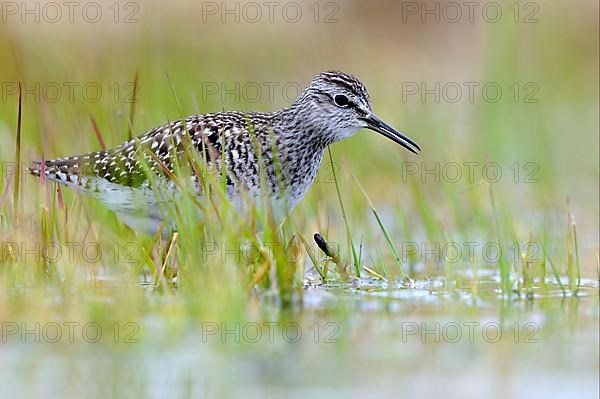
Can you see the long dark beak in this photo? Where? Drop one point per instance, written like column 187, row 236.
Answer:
column 379, row 126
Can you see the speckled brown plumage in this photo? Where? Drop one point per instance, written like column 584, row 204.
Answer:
column 286, row 145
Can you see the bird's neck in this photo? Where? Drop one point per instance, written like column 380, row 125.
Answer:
column 301, row 144
column 299, row 124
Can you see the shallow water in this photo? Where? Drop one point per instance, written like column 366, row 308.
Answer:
column 361, row 339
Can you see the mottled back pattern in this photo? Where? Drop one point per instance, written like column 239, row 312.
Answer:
column 286, row 145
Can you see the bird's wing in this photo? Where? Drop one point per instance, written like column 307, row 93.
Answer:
column 156, row 151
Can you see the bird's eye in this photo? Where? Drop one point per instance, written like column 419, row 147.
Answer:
column 341, row 100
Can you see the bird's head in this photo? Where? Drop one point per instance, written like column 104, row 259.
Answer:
column 338, row 105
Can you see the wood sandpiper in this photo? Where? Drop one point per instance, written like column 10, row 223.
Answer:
column 288, row 143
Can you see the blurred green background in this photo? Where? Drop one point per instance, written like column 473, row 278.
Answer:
column 545, row 65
